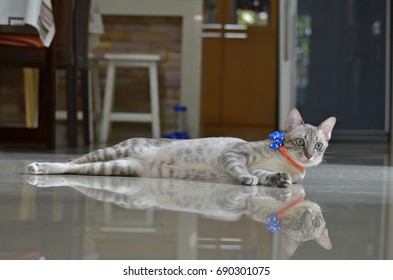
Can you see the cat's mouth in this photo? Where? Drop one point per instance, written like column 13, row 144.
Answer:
column 304, row 160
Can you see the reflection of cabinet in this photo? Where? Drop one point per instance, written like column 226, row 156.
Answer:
column 239, row 71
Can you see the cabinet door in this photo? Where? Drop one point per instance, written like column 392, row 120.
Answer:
column 249, row 80
column 212, row 45
column 239, row 86
column 250, row 64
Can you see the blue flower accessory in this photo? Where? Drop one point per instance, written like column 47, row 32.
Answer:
column 274, row 220
column 278, row 138
column 274, row 225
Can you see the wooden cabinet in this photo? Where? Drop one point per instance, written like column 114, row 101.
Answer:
column 239, row 69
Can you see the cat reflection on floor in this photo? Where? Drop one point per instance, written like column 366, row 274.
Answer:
column 298, row 220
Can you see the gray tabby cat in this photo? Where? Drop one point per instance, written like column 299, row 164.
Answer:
column 227, row 160
column 301, row 220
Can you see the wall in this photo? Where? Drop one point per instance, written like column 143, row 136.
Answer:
column 123, row 34
column 134, row 34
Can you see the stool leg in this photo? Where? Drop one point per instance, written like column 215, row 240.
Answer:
column 72, row 129
column 96, row 97
column 108, row 102
column 91, row 107
column 154, row 100
column 86, row 105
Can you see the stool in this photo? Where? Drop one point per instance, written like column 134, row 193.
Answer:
column 137, row 61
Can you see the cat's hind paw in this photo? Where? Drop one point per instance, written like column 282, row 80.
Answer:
column 37, row 181
column 38, row 168
column 47, row 181
column 249, row 180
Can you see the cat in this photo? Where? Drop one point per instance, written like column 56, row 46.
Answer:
column 300, row 222
column 222, row 159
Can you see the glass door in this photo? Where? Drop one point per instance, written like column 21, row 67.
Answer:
column 342, row 61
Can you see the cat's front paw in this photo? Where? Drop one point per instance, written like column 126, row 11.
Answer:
column 249, row 190
column 281, row 180
column 248, row 180
column 38, row 168
column 280, row 194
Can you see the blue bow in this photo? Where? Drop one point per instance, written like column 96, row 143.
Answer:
column 278, row 138
column 274, row 225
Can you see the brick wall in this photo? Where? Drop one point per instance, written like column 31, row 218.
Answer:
column 152, row 35
column 123, row 34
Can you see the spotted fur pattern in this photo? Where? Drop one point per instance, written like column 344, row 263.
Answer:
column 223, row 159
column 300, row 223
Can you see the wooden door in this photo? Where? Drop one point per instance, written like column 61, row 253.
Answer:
column 239, row 71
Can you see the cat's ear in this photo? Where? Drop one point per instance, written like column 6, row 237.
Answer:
column 294, row 120
column 289, row 244
column 323, row 240
column 327, row 127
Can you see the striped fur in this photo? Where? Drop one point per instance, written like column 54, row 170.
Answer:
column 223, row 159
column 299, row 224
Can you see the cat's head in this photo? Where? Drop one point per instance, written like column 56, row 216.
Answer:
column 304, row 142
column 303, row 222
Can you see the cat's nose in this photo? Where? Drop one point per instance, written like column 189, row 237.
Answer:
column 308, row 156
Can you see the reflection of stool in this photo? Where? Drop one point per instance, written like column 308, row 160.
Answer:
column 136, row 61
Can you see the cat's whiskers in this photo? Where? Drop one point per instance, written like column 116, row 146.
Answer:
column 329, row 154
column 323, row 161
column 322, row 205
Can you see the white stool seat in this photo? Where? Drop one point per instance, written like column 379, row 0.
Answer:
column 148, row 61
column 133, row 57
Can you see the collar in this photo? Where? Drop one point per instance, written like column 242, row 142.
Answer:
column 274, row 220
column 288, row 157
column 286, row 208
column 277, row 144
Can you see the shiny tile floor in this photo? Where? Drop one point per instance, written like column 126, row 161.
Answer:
column 87, row 217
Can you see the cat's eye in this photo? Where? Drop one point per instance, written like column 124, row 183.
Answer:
column 297, row 227
column 318, row 146
column 299, row 141
column 316, row 223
